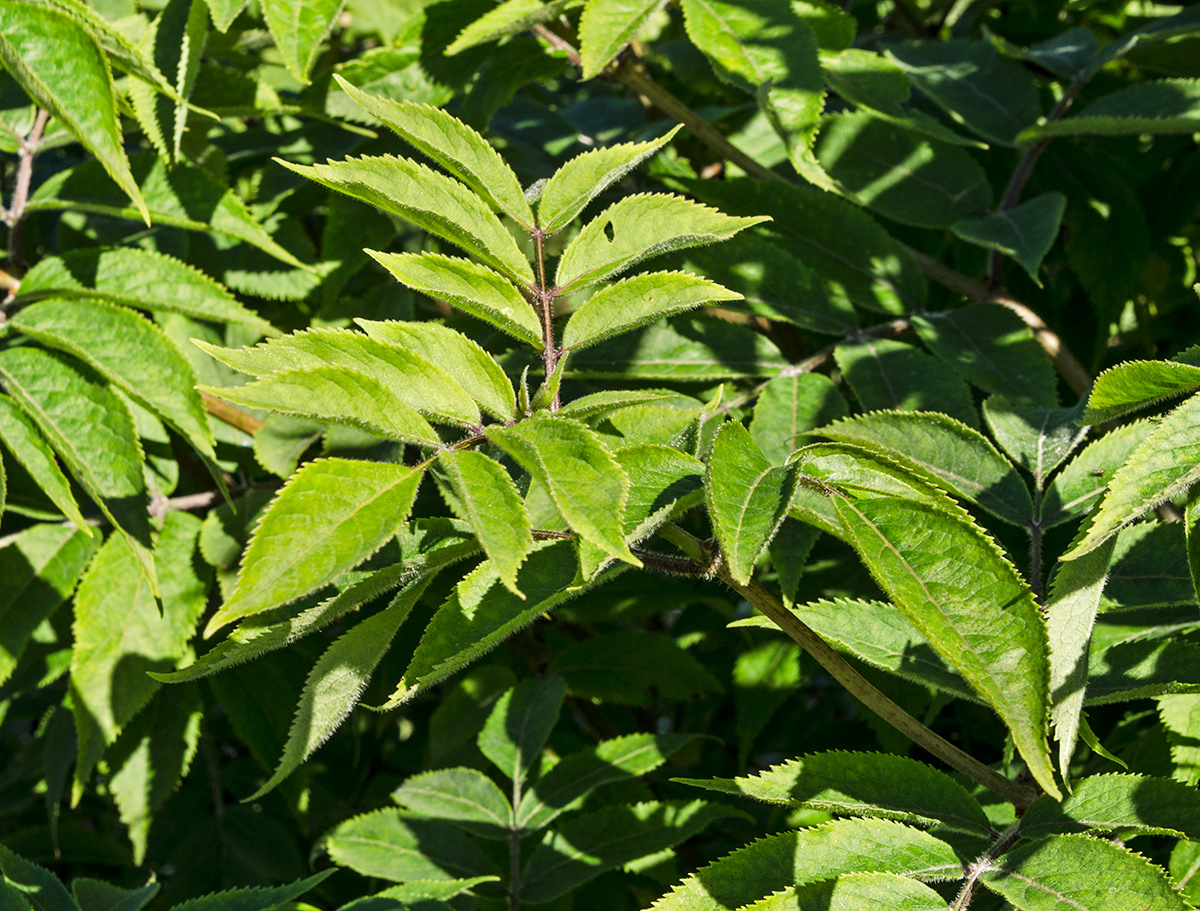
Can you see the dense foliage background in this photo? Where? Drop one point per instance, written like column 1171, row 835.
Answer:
column 975, row 209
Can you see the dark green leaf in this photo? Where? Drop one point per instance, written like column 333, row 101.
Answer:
column 1025, row 232
column 400, row 846
column 790, row 405
column 518, row 725
column 1163, row 106
column 632, row 667
column 465, row 797
column 1039, row 439
column 884, row 373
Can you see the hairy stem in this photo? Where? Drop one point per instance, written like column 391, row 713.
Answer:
column 14, row 214
column 231, row 414
column 857, row 685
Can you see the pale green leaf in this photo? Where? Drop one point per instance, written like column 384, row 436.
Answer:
column 811, row 855
column 336, row 682
column 862, row 784
column 519, row 724
column 432, row 201
column 453, row 145
column 631, row 667
column 606, row 27
column 1078, row 487
column 578, row 774
column 1039, row 439
column 884, row 373
column 299, row 27
column 332, row 515
column 747, row 498
column 29, row 447
column 254, row 899
column 489, row 501
column 396, row 845
column 637, row 227
column 1138, row 384
column 1128, row 804
column 57, row 61
column 81, row 417
column 508, row 18
column 943, row 452
column 993, row 349
column 224, row 12
column 1024, row 233
column 790, row 405
column 597, row 404
column 834, row 28
column 900, row 174
column 473, row 288
column 584, row 177
column 1050, row 873
column 1162, row 466
column 856, row 892
column 1159, row 107
column 934, row 562
column 473, row 368
column 584, row 847
column 636, row 301
column 586, row 484
column 137, row 278
column 766, row 675
column 465, row 797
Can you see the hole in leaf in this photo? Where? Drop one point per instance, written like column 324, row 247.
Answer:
column 608, row 231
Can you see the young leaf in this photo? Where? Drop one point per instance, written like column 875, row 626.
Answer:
column 636, row 227
column 518, row 725
column 862, row 784
column 473, row 288
column 474, row 369
column 856, row 892
column 637, row 301
column 1039, row 439
column 935, row 562
column 598, row 404
column 432, row 201
column 885, row 374
column 747, row 498
column 1158, row 107
column 489, row 501
column 337, row 680
column 1138, row 384
column 790, row 405
column 332, row 515
column 584, row 177
column 1024, row 233
column 586, row 484
column 508, row 18
column 606, row 27
column 396, row 845
column 1131, row 804
column 299, row 27
column 631, row 667
column 578, row 774
column 465, row 797
column 29, row 447
column 453, row 145
column 811, row 855
column 33, row 43
column 1162, row 466
column 81, row 417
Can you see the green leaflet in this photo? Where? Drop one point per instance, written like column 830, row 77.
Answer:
column 1078, row 487
column 632, row 667
column 1150, row 568
column 337, row 680
column 281, row 441
column 587, row 845
column 585, row 176
column 131, row 352
column 578, row 774
column 636, row 301
column 887, row 374
column 1138, row 384
column 137, row 278
column 396, row 845
column 1157, row 107
column 254, row 899
column 790, row 405
column 98, row 895
column 586, row 484
column 338, row 395
column 184, row 196
column 81, row 417
column 465, row 797
column 418, row 892
column 508, row 18
column 174, row 41
column 636, row 227
column 33, row 43
column 867, row 79
column 747, row 498
column 662, row 482
column 856, row 892
column 299, row 27
column 28, row 878
column 473, row 288
column 120, row 634
column 1049, row 873
column 1191, row 524
column 38, row 571
column 863, row 784
column 29, row 447
column 606, row 27
column 489, row 501
column 810, row 855
column 1064, row 55
column 453, row 145
column 1024, row 233
column 1162, row 466
column 933, row 562
column 1130, row 804
column 598, row 404
column 473, row 368
column 519, row 724
column 993, row 349
column 432, row 201
column 1039, row 439
column 900, row 174
column 332, row 515
column 1142, row 669
column 943, row 452
column 991, row 96
column 224, row 12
